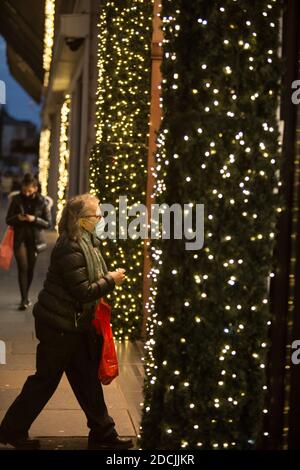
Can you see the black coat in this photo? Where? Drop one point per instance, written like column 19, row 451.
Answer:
column 40, row 210
column 67, row 287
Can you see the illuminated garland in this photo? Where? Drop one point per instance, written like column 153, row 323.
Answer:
column 48, row 38
column 44, row 160
column 218, row 145
column 118, row 164
column 64, row 155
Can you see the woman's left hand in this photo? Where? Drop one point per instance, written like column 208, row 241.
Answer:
column 29, row 218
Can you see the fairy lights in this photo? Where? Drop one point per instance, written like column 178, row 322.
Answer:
column 64, row 155
column 48, row 38
column 44, row 160
column 118, row 164
column 214, row 136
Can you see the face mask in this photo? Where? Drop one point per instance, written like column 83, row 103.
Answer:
column 99, row 227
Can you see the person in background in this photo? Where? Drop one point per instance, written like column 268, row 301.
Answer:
column 29, row 215
column 77, row 278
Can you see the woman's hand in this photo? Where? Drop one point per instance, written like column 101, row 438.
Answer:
column 30, row 218
column 26, row 218
column 118, row 276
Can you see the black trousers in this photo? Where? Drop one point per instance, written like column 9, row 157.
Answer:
column 25, row 254
column 76, row 354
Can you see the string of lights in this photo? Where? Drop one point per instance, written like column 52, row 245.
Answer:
column 118, row 163
column 44, row 160
column 48, row 38
column 205, row 383
column 64, row 155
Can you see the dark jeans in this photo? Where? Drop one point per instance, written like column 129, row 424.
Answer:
column 25, row 254
column 76, row 354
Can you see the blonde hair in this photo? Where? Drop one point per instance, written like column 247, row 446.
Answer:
column 75, row 209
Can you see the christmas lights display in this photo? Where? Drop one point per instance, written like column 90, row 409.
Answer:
column 48, row 38
column 218, row 145
column 64, row 156
column 44, row 160
column 118, row 163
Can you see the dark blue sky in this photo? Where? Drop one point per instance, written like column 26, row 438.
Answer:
column 18, row 103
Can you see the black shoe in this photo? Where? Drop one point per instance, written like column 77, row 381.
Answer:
column 23, row 306
column 21, row 444
column 111, row 443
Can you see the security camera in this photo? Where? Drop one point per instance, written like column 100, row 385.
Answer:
column 74, row 43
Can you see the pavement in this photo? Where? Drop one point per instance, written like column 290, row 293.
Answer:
column 62, row 423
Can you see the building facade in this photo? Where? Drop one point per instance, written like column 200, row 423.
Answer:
column 68, row 113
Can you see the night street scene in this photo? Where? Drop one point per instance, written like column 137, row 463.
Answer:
column 150, row 232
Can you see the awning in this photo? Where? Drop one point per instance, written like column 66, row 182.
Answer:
column 22, row 26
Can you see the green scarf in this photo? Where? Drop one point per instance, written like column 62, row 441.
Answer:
column 96, row 267
column 95, row 263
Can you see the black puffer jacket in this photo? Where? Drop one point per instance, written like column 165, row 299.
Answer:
column 37, row 207
column 67, row 287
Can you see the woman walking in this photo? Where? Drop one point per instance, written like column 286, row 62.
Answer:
column 76, row 279
column 29, row 215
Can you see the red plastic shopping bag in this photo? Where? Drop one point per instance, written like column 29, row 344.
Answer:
column 7, row 249
column 108, row 366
